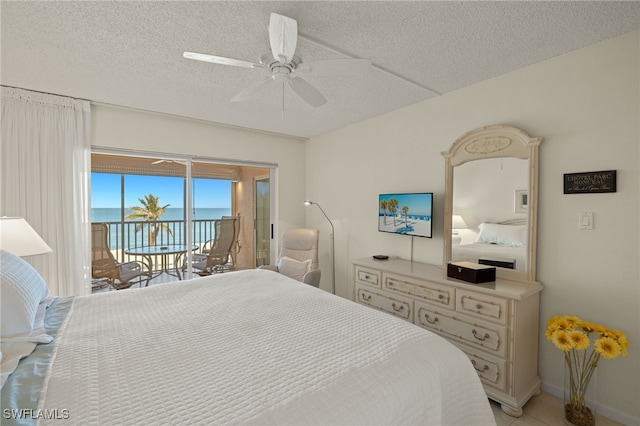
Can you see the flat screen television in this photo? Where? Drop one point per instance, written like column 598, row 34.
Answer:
column 406, row 213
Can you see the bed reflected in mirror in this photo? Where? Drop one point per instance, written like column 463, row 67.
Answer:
column 487, row 197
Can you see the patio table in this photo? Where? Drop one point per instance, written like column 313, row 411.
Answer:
column 165, row 250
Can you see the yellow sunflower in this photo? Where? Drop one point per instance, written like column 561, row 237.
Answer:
column 580, row 339
column 572, row 320
column 601, row 330
column 562, row 323
column 589, row 327
column 607, row 347
column 561, row 339
column 552, row 320
column 549, row 334
column 624, row 344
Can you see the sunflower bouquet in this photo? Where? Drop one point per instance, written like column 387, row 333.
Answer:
column 572, row 336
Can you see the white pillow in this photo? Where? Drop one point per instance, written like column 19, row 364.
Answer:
column 22, row 289
column 508, row 235
column 293, row 268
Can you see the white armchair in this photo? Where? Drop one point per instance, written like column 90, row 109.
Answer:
column 298, row 257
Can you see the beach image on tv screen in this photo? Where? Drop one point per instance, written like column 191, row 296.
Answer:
column 408, row 214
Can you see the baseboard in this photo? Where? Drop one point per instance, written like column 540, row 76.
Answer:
column 603, row 410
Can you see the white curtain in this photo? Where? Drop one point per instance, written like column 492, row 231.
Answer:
column 46, row 169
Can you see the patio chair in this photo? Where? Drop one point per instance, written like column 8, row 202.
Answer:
column 105, row 268
column 235, row 245
column 218, row 254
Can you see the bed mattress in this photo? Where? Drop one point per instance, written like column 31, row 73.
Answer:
column 251, row 347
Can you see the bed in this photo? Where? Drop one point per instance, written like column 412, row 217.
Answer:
column 250, row 347
column 496, row 243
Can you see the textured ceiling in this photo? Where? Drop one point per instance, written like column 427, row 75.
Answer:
column 130, row 53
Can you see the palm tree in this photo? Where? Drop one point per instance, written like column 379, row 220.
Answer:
column 393, row 208
column 149, row 211
column 405, row 211
column 383, row 206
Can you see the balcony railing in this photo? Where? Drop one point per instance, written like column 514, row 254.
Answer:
column 123, row 235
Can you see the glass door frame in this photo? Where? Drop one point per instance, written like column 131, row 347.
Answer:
column 188, row 160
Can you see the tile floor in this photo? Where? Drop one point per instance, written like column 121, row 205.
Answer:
column 541, row 410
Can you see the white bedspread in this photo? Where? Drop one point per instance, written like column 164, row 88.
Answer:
column 253, row 347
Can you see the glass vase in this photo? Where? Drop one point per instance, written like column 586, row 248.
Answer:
column 580, row 396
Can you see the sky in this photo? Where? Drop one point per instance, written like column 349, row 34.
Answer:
column 208, row 193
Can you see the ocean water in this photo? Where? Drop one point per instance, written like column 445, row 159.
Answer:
column 113, row 214
column 128, row 237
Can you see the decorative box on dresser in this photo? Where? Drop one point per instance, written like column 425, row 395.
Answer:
column 495, row 324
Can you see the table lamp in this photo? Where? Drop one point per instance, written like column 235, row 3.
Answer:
column 457, row 222
column 19, row 238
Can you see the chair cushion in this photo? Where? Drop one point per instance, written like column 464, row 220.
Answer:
column 293, row 268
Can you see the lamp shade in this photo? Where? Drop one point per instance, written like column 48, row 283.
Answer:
column 18, row 237
column 457, row 222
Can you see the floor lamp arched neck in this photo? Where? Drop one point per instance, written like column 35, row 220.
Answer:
column 333, row 262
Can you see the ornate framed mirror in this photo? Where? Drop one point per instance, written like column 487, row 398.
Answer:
column 491, row 200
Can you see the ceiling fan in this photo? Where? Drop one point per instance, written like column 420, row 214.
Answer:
column 285, row 66
column 184, row 163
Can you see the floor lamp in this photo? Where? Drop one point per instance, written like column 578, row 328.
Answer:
column 333, row 262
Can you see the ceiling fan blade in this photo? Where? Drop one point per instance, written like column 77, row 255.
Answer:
column 306, row 91
column 283, row 37
column 184, row 163
column 221, row 60
column 337, row 67
column 252, row 90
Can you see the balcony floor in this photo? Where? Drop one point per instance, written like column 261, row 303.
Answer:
column 159, row 279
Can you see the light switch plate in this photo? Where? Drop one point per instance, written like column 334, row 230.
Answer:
column 585, row 220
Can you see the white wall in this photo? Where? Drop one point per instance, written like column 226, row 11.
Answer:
column 121, row 128
column 586, row 106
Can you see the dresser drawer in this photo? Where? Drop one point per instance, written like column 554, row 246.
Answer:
column 427, row 290
column 481, row 306
column 368, row 276
column 392, row 304
column 481, row 334
column 490, row 370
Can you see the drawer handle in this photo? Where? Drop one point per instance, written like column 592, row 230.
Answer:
column 475, row 334
column 397, row 309
column 430, row 321
column 366, row 277
column 391, row 283
column 485, row 368
column 366, row 297
column 441, row 296
column 478, row 306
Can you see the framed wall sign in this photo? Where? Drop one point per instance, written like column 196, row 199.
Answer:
column 590, row 182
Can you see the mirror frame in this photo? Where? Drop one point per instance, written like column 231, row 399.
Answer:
column 496, row 141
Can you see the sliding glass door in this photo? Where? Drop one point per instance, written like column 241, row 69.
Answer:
column 164, row 210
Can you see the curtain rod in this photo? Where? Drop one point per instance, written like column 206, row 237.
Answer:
column 44, row 93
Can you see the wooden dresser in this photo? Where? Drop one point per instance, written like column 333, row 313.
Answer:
column 495, row 324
